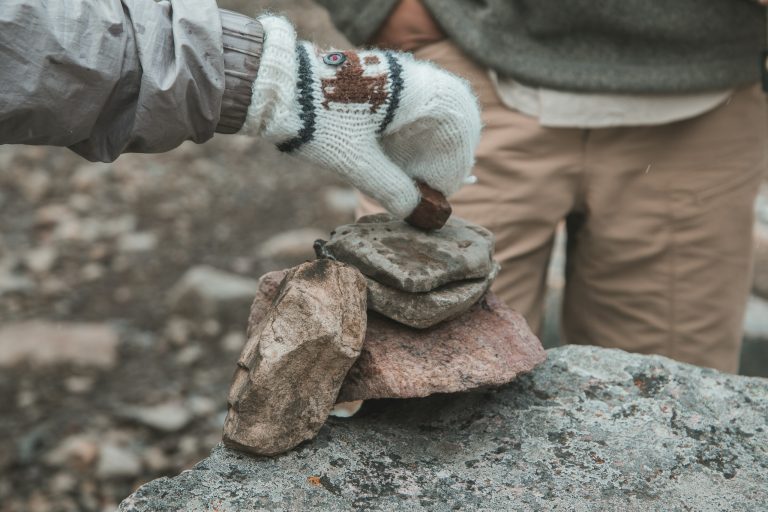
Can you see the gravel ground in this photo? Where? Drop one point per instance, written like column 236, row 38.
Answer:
column 104, row 244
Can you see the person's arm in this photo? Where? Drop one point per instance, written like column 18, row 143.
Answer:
column 105, row 77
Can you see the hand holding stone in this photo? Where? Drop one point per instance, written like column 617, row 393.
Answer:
column 381, row 119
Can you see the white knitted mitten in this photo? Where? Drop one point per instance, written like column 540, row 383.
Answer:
column 381, row 119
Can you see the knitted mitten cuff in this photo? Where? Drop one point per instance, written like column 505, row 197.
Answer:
column 273, row 114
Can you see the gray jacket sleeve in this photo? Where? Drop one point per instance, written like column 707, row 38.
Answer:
column 105, row 77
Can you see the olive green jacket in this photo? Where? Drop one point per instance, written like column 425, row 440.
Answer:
column 623, row 46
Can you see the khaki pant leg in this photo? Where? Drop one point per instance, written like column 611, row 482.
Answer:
column 660, row 260
column 527, row 178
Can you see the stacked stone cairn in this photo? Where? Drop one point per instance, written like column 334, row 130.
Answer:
column 415, row 277
column 387, row 311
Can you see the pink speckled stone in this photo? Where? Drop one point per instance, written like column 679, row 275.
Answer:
column 489, row 345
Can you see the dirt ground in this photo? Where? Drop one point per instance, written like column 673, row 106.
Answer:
column 104, row 243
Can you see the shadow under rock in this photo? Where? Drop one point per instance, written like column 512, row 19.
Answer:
column 445, row 410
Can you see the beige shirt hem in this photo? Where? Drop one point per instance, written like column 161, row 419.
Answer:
column 560, row 109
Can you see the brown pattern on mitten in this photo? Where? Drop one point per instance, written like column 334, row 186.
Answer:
column 351, row 85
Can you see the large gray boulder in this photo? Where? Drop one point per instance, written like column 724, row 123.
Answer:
column 591, row 429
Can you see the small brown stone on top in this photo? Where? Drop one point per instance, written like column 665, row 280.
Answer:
column 433, row 210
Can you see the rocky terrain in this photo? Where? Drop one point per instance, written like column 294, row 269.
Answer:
column 591, row 429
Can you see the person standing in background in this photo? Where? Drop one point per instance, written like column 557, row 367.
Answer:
column 639, row 123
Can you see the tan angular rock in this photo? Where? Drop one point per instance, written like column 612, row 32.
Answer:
column 489, row 345
column 296, row 358
column 422, row 310
column 266, row 292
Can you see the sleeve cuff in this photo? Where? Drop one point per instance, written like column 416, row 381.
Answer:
column 243, row 40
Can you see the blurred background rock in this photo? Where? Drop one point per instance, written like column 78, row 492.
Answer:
column 123, row 289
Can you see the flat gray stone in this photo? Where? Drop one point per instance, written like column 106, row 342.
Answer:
column 398, row 255
column 591, row 429
column 422, row 310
